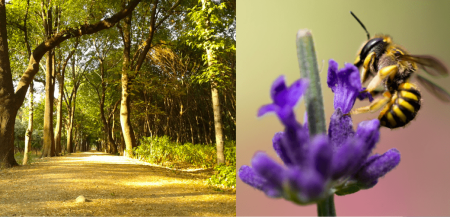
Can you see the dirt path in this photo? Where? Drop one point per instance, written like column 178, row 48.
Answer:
column 113, row 185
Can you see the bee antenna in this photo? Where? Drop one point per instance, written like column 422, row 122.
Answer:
column 368, row 35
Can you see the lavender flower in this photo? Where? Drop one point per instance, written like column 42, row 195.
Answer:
column 315, row 168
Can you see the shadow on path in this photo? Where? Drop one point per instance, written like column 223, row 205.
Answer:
column 114, row 185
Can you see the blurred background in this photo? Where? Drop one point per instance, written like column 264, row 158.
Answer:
column 266, row 48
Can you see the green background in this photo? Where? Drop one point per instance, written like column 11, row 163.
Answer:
column 266, row 49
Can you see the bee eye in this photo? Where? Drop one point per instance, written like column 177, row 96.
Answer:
column 369, row 46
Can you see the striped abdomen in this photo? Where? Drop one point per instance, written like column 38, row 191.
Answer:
column 402, row 108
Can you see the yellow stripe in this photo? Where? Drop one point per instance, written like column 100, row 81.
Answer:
column 394, row 97
column 357, row 60
column 409, row 95
column 368, row 59
column 391, row 120
column 398, row 50
column 405, row 104
column 383, row 112
column 407, row 86
column 399, row 113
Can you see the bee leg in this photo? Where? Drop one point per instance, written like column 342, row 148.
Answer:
column 374, row 106
column 368, row 61
column 377, row 92
column 381, row 75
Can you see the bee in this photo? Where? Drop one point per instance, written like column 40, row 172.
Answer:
column 392, row 66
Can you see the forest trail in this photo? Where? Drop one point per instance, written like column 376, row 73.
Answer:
column 113, row 186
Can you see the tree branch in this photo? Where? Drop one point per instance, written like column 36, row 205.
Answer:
column 58, row 38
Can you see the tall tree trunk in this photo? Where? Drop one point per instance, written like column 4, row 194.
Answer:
column 7, row 121
column 217, row 114
column 215, row 101
column 60, row 100
column 122, row 144
column 53, row 148
column 49, row 142
column 110, row 141
column 69, row 139
column 8, row 109
column 58, row 115
column 112, row 127
column 48, row 114
column 217, row 124
column 75, row 139
column 28, row 134
column 125, row 113
column 70, row 128
column 192, row 130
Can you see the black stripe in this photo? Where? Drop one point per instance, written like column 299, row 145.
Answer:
column 384, row 119
column 409, row 115
column 414, row 103
column 397, row 119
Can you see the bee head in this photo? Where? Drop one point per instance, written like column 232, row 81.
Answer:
column 376, row 44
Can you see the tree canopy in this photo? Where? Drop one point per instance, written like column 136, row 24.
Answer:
column 115, row 72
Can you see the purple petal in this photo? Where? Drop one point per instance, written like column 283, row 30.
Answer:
column 279, row 149
column 267, row 108
column 287, row 116
column 249, row 176
column 278, row 86
column 347, row 158
column 346, row 85
column 268, row 169
column 378, row 167
column 341, row 128
column 284, row 99
column 369, row 132
column 287, row 99
column 308, row 183
column 332, row 79
column 296, row 91
column 294, row 141
column 321, row 155
column 363, row 95
column 354, row 77
column 370, row 159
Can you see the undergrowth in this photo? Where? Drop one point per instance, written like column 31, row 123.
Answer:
column 226, row 173
column 160, row 150
column 31, row 158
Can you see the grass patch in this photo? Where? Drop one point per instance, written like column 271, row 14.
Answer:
column 160, row 150
column 32, row 157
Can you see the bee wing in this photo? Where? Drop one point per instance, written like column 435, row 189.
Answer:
column 434, row 89
column 429, row 64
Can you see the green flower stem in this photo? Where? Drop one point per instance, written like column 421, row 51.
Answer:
column 326, row 207
column 309, row 69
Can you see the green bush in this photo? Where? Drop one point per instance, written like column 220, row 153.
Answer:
column 230, row 153
column 226, row 173
column 225, row 177
column 19, row 158
column 159, row 150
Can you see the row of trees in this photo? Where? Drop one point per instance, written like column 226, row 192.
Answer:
column 162, row 70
